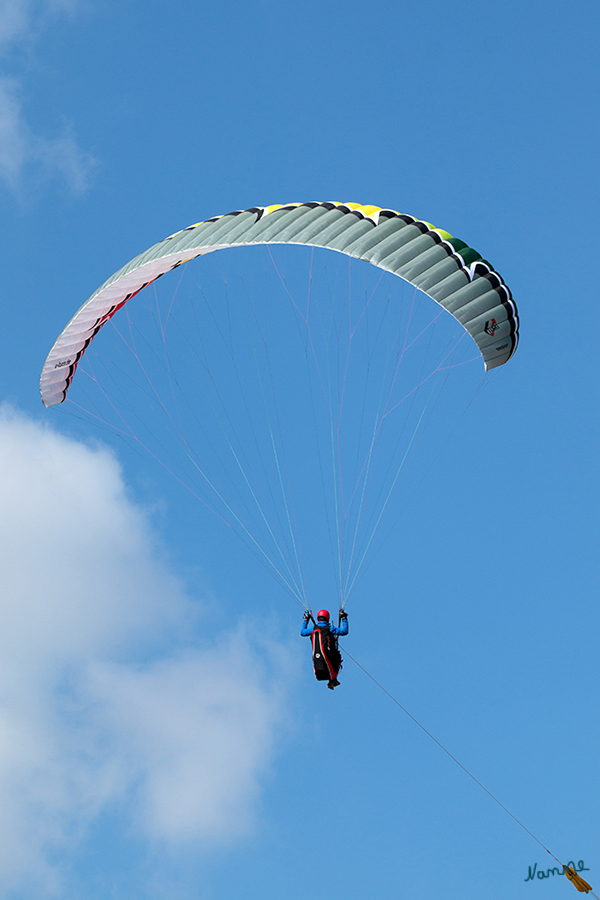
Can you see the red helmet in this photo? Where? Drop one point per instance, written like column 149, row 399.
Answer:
column 323, row 614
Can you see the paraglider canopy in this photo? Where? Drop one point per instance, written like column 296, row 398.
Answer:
column 290, row 392
column 444, row 267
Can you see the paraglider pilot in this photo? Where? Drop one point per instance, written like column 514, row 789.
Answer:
column 327, row 660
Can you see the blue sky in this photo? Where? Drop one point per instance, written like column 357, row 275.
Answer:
column 162, row 734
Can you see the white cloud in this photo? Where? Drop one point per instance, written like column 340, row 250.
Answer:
column 14, row 20
column 14, row 139
column 200, row 766
column 104, row 698
column 21, row 150
column 17, row 17
column 62, row 155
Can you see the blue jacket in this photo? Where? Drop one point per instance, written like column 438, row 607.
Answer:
column 308, row 628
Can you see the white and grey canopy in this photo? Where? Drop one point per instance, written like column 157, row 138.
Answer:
column 445, row 268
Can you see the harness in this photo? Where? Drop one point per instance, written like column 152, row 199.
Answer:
column 327, row 660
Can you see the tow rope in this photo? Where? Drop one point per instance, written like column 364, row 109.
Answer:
column 580, row 883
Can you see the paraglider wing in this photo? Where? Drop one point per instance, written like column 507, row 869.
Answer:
column 445, row 268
